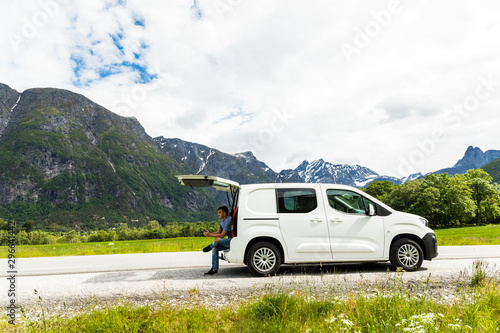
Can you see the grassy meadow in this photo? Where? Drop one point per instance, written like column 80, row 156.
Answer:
column 484, row 235
column 116, row 247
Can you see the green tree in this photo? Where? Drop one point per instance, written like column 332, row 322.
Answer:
column 72, row 237
column 485, row 194
column 153, row 225
column 404, row 196
column 123, row 232
column 4, row 225
column 22, row 238
column 28, row 226
column 380, row 189
column 459, row 206
column 444, row 200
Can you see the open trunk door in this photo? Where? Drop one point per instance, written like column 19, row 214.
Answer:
column 220, row 184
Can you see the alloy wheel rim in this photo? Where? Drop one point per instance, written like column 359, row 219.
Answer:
column 264, row 259
column 408, row 255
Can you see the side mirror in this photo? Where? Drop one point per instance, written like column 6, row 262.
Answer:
column 371, row 210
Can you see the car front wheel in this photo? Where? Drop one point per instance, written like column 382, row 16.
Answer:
column 263, row 259
column 406, row 254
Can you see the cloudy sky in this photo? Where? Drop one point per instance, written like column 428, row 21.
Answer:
column 396, row 86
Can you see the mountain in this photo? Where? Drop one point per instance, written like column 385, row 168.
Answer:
column 493, row 168
column 243, row 168
column 320, row 171
column 67, row 160
column 473, row 158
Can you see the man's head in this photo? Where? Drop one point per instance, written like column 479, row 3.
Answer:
column 223, row 212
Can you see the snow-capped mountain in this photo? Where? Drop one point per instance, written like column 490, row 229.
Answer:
column 320, row 171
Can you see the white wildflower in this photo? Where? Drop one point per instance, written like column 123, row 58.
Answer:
column 347, row 322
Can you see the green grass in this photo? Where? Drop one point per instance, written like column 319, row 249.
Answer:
column 484, row 235
column 390, row 309
column 115, row 247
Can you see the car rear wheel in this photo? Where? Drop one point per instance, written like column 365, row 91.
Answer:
column 263, row 259
column 406, row 254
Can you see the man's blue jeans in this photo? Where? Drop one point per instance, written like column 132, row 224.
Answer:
column 221, row 245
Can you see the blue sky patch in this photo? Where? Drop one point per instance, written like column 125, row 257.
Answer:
column 245, row 116
column 80, row 64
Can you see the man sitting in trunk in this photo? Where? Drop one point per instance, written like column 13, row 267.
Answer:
column 220, row 243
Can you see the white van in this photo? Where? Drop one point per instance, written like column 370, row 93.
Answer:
column 294, row 223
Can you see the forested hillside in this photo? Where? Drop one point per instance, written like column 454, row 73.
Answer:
column 493, row 168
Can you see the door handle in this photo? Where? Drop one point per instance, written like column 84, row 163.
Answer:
column 336, row 220
column 316, row 220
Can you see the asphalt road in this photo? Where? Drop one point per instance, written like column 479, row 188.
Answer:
column 171, row 260
column 67, row 278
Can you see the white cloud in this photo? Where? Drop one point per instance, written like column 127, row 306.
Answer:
column 223, row 72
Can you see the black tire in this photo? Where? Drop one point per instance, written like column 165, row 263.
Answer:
column 406, row 254
column 263, row 259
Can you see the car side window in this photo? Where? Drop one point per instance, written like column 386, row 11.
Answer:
column 347, row 201
column 296, row 200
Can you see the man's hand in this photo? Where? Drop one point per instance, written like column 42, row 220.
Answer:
column 205, row 233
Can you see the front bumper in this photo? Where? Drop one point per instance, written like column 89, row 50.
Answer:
column 430, row 246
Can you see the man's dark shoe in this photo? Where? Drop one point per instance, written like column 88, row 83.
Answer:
column 211, row 272
column 207, row 249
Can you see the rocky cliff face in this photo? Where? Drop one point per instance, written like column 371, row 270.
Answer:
column 8, row 101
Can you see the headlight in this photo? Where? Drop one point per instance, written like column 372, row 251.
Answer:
column 424, row 221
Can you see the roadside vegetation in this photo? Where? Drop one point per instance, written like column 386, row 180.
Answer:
column 470, row 303
column 26, row 235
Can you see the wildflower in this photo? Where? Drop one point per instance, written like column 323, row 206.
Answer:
column 455, row 327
